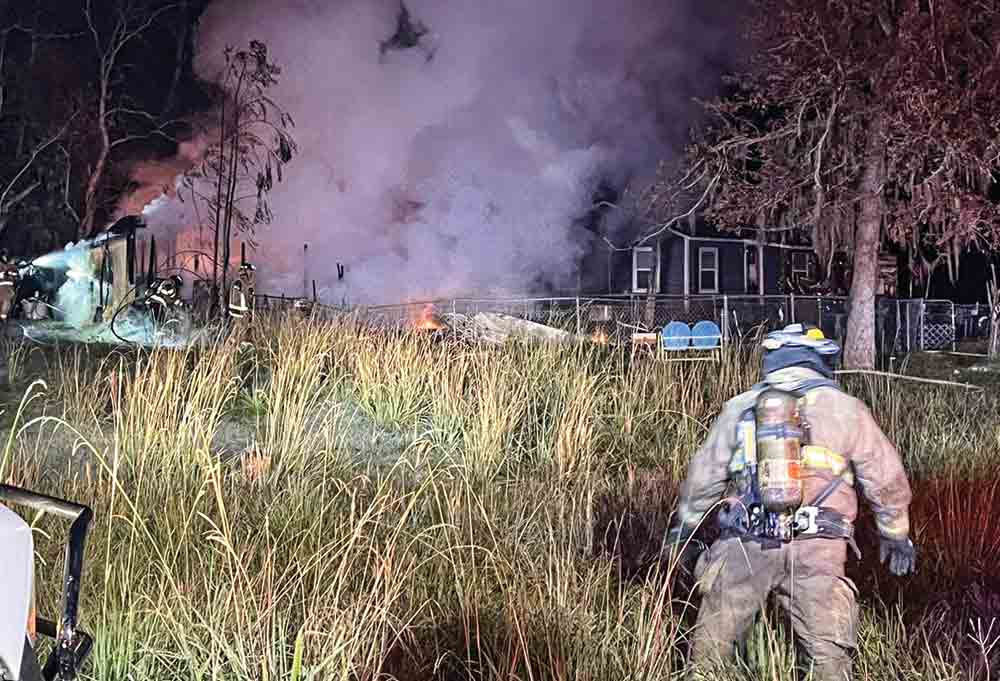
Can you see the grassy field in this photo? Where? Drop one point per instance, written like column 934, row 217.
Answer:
column 334, row 503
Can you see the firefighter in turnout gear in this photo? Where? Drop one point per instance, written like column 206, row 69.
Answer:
column 783, row 460
column 241, row 293
column 164, row 297
column 9, row 279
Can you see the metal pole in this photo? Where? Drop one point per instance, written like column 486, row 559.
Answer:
column 954, row 331
column 923, row 322
column 909, row 327
column 725, row 320
column 579, row 328
column 791, row 305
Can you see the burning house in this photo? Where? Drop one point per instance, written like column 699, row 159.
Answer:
column 92, row 279
column 99, row 292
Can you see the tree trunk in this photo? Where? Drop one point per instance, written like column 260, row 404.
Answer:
column 179, row 59
column 90, row 197
column 92, row 192
column 859, row 349
column 993, row 299
column 32, row 59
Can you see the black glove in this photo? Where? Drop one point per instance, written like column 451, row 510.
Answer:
column 682, row 549
column 901, row 553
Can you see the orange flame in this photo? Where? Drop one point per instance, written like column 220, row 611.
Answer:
column 427, row 319
column 600, row 336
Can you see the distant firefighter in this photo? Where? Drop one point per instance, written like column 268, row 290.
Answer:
column 9, row 278
column 164, row 297
column 408, row 35
column 241, row 293
column 303, row 306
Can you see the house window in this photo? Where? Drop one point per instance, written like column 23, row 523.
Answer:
column 708, row 270
column 800, row 266
column 643, row 260
column 752, row 272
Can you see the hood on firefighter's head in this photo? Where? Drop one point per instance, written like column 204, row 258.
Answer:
column 799, row 346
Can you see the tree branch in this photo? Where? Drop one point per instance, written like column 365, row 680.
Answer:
column 4, row 203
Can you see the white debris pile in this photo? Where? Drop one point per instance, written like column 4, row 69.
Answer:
column 489, row 327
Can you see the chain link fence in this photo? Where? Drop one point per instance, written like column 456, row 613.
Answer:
column 303, row 306
column 902, row 325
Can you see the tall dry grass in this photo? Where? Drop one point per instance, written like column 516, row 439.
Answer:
column 511, row 532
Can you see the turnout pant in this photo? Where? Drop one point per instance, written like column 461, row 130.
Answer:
column 807, row 578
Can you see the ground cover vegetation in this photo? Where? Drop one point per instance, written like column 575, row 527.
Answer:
column 335, row 502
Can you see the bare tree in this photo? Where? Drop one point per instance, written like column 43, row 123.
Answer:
column 253, row 145
column 18, row 180
column 117, row 120
column 861, row 121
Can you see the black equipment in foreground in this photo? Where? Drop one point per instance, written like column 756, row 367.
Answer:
column 72, row 644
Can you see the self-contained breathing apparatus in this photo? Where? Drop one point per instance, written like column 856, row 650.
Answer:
column 163, row 297
column 773, row 447
column 241, row 292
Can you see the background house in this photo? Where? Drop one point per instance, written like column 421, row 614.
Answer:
column 701, row 260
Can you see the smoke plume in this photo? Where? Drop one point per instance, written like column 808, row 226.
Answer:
column 464, row 174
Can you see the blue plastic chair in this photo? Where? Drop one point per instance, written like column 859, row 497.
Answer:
column 675, row 336
column 706, row 335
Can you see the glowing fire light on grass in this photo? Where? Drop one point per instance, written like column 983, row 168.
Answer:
column 600, row 336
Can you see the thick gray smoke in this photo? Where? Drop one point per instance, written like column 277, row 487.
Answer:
column 464, row 174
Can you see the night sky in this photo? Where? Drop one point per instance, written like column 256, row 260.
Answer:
column 426, row 177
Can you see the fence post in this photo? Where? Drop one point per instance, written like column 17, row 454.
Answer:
column 900, row 328
column 923, row 323
column 954, row 331
column 725, row 320
column 791, row 307
column 819, row 312
column 909, row 328
column 453, row 307
column 579, row 327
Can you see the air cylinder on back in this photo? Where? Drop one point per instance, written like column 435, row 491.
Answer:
column 779, row 451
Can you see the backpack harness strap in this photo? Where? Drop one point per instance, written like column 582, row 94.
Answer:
column 746, row 517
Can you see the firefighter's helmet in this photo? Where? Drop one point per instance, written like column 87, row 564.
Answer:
column 800, row 335
column 797, row 345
